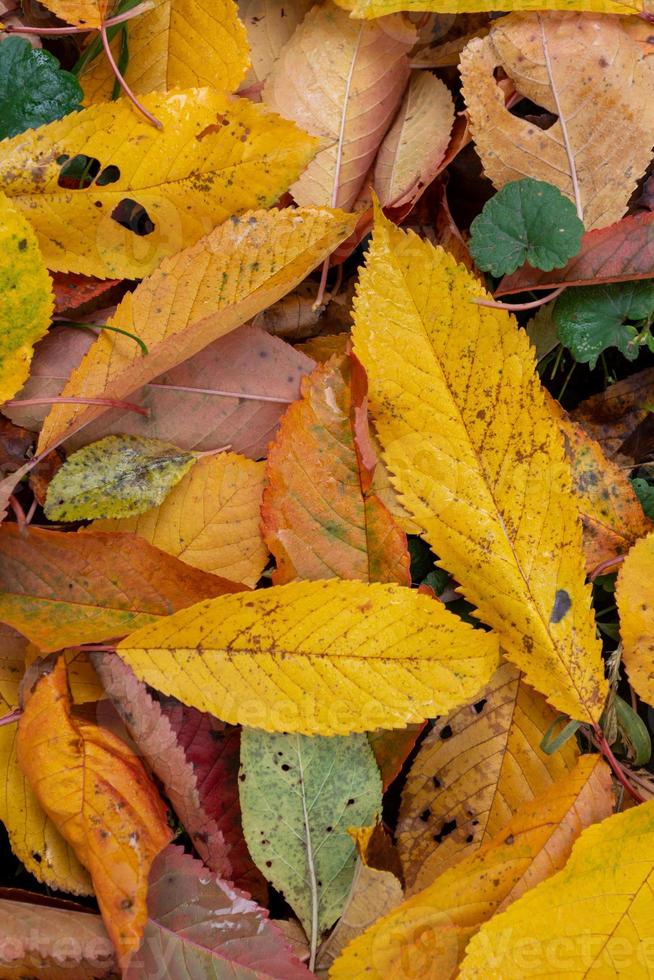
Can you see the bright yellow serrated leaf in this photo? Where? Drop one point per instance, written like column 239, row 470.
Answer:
column 634, row 592
column 478, row 460
column 379, row 8
column 210, row 520
column 27, row 300
column 178, row 44
column 426, row 935
column 472, row 772
column 34, row 839
column 195, row 297
column 320, row 658
column 593, row 920
column 81, row 13
column 215, row 157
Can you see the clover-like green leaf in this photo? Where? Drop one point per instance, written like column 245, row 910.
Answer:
column 590, row 319
column 527, row 221
column 33, row 88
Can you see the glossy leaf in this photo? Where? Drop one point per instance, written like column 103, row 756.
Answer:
column 119, row 476
column 188, row 178
column 33, row 88
column 453, row 381
column 298, row 796
column 526, row 221
column 410, row 657
column 592, row 319
column 256, row 258
column 210, row 519
column 62, row 589
column 80, row 771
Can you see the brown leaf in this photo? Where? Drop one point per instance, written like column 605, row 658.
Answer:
column 614, row 416
column 61, row 589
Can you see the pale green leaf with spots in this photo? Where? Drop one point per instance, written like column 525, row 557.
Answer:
column 27, row 302
column 298, row 797
column 118, row 476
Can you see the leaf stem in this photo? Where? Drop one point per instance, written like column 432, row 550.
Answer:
column 105, row 326
column 311, row 868
column 608, row 565
column 119, row 78
column 618, row 771
column 11, row 717
column 111, row 22
column 60, row 400
column 495, row 304
column 224, row 394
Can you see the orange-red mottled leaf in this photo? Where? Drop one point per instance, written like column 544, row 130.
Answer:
column 100, row 797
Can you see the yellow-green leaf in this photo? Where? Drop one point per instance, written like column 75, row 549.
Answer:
column 27, row 301
column 177, row 44
column 210, row 519
column 319, row 658
column 215, row 157
column 425, row 936
column 478, row 460
column 196, row 297
column 379, row 8
column 118, row 476
column 594, row 919
column 635, row 597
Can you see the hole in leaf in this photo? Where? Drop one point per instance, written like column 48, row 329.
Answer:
column 479, row 706
column 133, row 216
column 445, row 831
column 78, row 173
column 109, row 175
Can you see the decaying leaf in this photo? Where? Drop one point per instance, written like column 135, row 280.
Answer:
column 321, row 518
column 148, row 193
column 256, row 259
column 392, row 748
column 342, row 81
column 118, row 476
column 532, row 845
column 636, row 605
column 478, row 460
column 177, row 44
column 200, row 926
column 34, row 839
column 613, row 416
column 598, row 909
column 298, row 797
column 595, row 76
column 79, row 771
column 348, row 657
column 63, row 589
column 474, row 769
column 210, row 519
column 27, row 298
column 378, row 8
column 269, row 25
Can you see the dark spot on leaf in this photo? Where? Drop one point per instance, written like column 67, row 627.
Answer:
column 22, row 245
column 448, row 827
column 510, row 839
column 470, row 838
column 446, row 732
column 350, row 802
column 480, row 705
column 436, row 781
column 126, row 904
column 562, row 604
column 285, row 767
column 425, row 815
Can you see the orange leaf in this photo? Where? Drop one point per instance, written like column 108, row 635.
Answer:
column 100, row 797
column 320, row 517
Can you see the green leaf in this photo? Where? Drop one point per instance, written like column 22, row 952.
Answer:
column 541, row 330
column 298, row 797
column 34, row 90
column 527, row 221
column 118, row 476
column 645, row 493
column 590, row 319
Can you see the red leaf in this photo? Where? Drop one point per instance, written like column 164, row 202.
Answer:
column 73, row 292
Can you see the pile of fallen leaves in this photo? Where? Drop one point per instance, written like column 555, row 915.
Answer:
column 327, row 567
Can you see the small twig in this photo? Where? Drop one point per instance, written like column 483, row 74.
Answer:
column 494, row 304
column 17, row 508
column 105, row 326
column 11, row 717
column 213, row 452
column 111, row 22
column 32, row 511
column 61, row 400
column 123, row 84
column 606, row 566
column 605, row 749
column 223, row 394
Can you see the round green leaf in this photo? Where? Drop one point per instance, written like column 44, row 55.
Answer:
column 118, row 476
column 33, row 88
column 527, row 221
column 590, row 319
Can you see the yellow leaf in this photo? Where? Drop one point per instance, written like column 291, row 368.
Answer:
column 33, row 837
column 178, row 44
column 342, row 81
column 210, row 520
column 27, row 301
column 426, row 935
column 85, row 685
column 595, row 75
column 83, row 776
column 634, row 593
column 378, row 8
column 215, row 157
column 593, row 920
column 320, row 658
column 472, row 772
column 82, row 13
column 478, row 460
column 180, row 309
